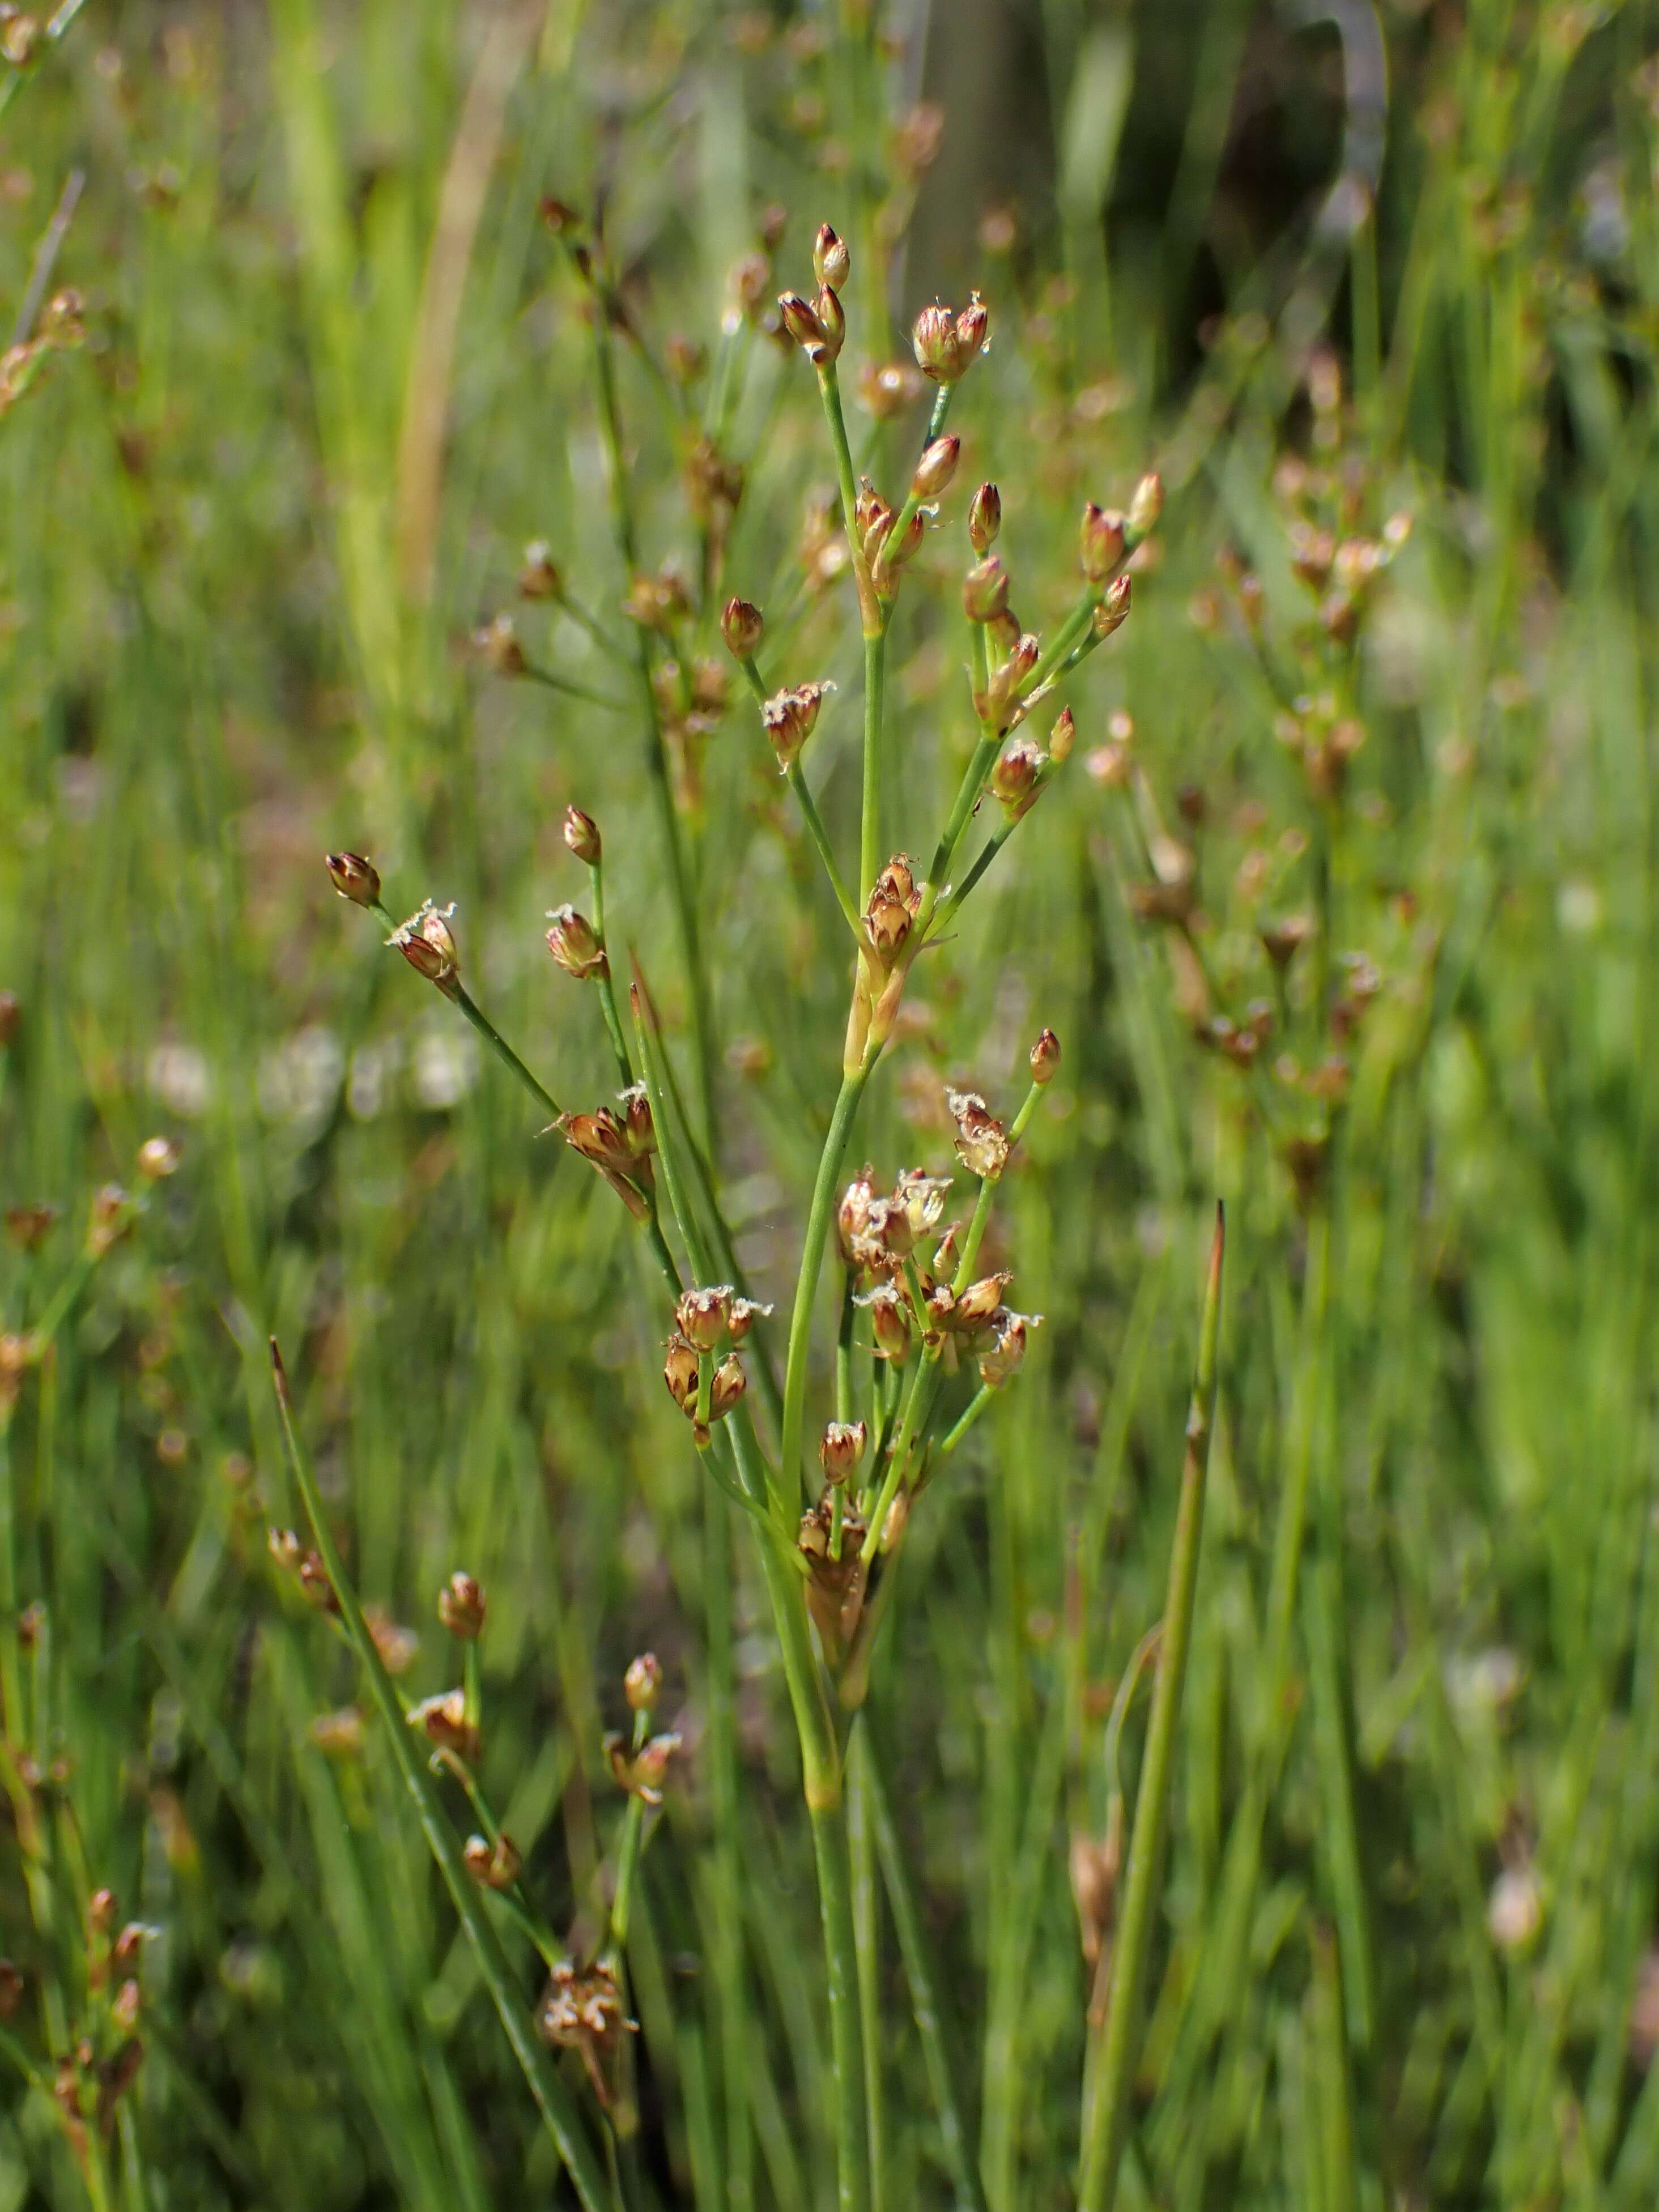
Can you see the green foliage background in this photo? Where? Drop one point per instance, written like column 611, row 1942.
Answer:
column 334, row 378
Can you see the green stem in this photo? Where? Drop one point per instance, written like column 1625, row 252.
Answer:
column 875, row 680
column 942, row 2074
column 502, row 1050
column 826, row 851
column 976, row 1404
column 1114, row 2051
column 867, row 1923
column 606, row 981
column 552, row 2099
column 571, row 687
column 845, row 2025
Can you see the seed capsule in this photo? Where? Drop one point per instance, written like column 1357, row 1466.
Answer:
column 1045, row 1057
column 1100, row 543
column 642, row 1684
column 936, row 466
column 581, row 836
column 574, row 943
column 742, row 626
column 462, row 1608
column 354, row 878
column 984, row 518
column 840, row 1449
column 985, row 591
column 831, row 262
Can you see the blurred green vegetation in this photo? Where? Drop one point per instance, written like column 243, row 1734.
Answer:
column 335, row 373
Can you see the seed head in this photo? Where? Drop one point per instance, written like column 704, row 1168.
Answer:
column 840, row 1449
column 1016, row 775
column 442, row 1720
column 945, row 344
column 497, row 646
column 575, row 944
column 701, row 1315
column 642, row 1684
column 984, row 518
column 354, row 878
column 462, row 1608
column 539, row 578
column 742, row 626
column 893, row 905
column 1100, row 543
column 581, row 836
column 493, row 1866
column 936, row 466
column 728, row 1386
column 158, row 1159
column 428, row 943
column 790, row 717
column 1045, row 1057
column 982, row 1141
column 831, row 262
column 985, row 591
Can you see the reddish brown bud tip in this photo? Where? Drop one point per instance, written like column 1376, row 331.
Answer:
column 581, row 836
column 462, row 1607
column 1062, row 738
column 801, row 321
column 1045, row 1057
column 353, row 877
column 936, row 467
column 742, row 626
column 831, row 262
column 575, row 944
column 1100, row 543
column 642, row 1683
column 1015, row 777
column 944, row 343
column 1114, row 609
column 985, row 518
column 985, row 591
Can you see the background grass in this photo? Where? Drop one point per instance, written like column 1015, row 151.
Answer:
column 334, row 378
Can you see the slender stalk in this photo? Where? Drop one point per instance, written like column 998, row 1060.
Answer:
column 502, row 1050
column 866, row 1924
column 1113, row 2052
column 567, row 684
column 875, row 684
column 820, row 837
column 553, row 2100
column 817, row 1231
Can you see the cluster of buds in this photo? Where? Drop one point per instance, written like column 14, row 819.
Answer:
column 462, row 1608
column 639, row 1772
column 619, row 1146
column 945, row 344
column 354, row 878
column 581, row 2010
column 818, row 326
column 493, row 1865
column 575, row 944
column 1324, row 742
column 661, row 602
column 1024, row 767
column 704, row 1319
column 714, row 487
column 890, row 911
column 836, row 1578
column 879, row 1234
column 428, row 943
column 444, row 1722
column 304, row 1567
column 789, row 717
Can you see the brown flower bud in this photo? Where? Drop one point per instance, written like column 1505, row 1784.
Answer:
column 539, row 578
column 832, row 321
column 982, row 1141
column 354, row 878
column 742, row 626
column 125, row 2007
column 638, row 1128
column 840, row 1449
column 831, row 262
column 1145, row 506
column 945, row 344
column 979, row 1302
column 938, row 465
column 985, row 591
column 28, row 1226
column 893, row 905
column 1004, row 1356
column 100, row 1911
column 1100, row 543
column 1016, row 776
column 800, row 320
column 575, row 946
column 428, row 943
column 742, row 1317
column 158, row 1159
column 442, row 1720
column 642, row 1683
column 1114, row 609
column 984, row 518
column 581, row 836
column 497, row 645
column 1283, row 939
column 1045, row 1057
column 853, row 1220
column 493, row 1866
column 701, row 1315
column 1062, row 738
column 889, row 1322
column 462, row 1607
column 679, row 1372
column 729, row 1384
column 973, row 328
column 790, row 717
